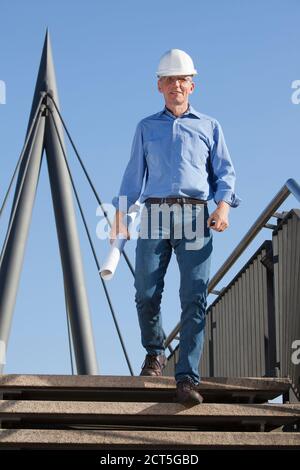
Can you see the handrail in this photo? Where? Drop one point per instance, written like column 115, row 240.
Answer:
column 289, row 187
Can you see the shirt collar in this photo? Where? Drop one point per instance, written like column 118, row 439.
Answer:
column 190, row 110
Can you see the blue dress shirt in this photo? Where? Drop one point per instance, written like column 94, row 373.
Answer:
column 178, row 156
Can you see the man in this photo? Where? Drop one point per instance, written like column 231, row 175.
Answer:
column 186, row 162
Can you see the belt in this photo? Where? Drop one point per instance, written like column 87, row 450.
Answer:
column 175, row 200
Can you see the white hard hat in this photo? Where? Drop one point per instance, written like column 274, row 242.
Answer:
column 175, row 62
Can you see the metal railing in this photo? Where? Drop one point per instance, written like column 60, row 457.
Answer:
column 240, row 326
column 290, row 187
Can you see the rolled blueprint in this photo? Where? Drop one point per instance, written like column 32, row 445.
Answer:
column 111, row 262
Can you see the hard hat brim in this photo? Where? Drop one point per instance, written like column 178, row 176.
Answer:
column 170, row 73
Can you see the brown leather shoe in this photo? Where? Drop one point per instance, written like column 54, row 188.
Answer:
column 153, row 365
column 187, row 393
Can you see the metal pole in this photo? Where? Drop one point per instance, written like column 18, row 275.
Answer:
column 61, row 189
column 13, row 254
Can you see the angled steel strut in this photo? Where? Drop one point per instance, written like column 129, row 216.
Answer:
column 45, row 137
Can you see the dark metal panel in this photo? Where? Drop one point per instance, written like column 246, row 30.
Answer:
column 233, row 342
column 258, row 310
column 284, row 311
column 261, row 314
column 263, row 319
column 284, row 299
column 279, row 287
column 239, row 329
column 248, row 323
column 211, row 345
column 227, row 335
column 293, row 277
column 245, row 333
column 205, row 357
column 217, row 340
column 214, row 343
column 287, row 281
column 229, row 338
column 253, row 315
column 219, row 321
column 281, row 300
column 208, row 341
column 240, row 342
column 203, row 360
column 233, row 315
column 290, row 275
column 253, row 318
column 234, row 336
column 271, row 321
column 260, row 332
column 256, row 313
column 224, row 332
column 276, row 299
column 296, row 302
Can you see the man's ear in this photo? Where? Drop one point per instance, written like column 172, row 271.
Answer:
column 158, row 86
column 192, row 88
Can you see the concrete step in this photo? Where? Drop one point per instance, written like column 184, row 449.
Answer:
column 113, row 440
column 118, row 415
column 132, row 389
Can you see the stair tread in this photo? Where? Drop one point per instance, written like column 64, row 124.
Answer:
column 38, row 407
column 145, row 439
column 14, row 381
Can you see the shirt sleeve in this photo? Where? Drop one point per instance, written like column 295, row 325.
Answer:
column 132, row 181
column 223, row 171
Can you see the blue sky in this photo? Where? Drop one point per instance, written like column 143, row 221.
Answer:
column 106, row 55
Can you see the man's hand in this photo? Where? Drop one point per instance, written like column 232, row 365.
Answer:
column 220, row 216
column 118, row 227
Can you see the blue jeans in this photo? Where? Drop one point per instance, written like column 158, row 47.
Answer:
column 151, row 262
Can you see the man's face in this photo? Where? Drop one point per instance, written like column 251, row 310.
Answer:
column 176, row 89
